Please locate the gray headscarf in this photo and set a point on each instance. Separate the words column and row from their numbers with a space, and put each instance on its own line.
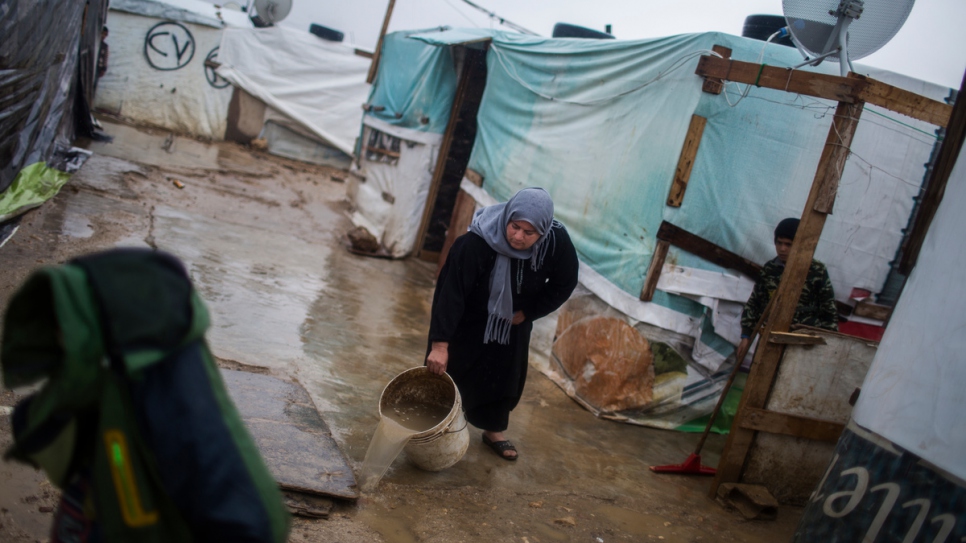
column 534, row 206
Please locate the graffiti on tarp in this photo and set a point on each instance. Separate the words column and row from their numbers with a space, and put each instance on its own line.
column 211, row 62
column 169, row 46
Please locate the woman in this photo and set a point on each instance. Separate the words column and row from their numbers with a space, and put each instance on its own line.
column 515, row 265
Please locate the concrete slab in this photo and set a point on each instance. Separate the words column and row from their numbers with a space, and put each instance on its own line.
column 293, row 439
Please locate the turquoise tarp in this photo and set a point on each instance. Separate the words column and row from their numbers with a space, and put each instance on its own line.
column 415, row 84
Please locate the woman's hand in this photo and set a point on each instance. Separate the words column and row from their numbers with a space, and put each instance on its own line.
column 438, row 357
column 518, row 317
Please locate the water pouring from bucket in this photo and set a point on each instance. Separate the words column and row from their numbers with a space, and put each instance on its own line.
column 422, row 413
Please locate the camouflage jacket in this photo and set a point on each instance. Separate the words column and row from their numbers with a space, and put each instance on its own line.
column 816, row 306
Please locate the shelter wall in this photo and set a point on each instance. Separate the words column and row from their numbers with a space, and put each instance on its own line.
column 156, row 75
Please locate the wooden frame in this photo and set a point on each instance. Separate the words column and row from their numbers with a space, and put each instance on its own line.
column 440, row 169
column 852, row 93
column 689, row 151
column 668, row 235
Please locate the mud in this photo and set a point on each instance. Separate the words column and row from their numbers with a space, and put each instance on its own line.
column 262, row 238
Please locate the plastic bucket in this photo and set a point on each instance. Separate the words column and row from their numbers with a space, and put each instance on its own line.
column 444, row 444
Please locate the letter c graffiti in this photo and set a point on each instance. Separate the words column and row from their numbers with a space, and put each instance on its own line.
column 169, row 46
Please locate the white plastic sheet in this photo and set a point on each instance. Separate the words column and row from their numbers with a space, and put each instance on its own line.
column 915, row 392
column 321, row 85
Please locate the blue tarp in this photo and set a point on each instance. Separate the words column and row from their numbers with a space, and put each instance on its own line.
column 415, row 84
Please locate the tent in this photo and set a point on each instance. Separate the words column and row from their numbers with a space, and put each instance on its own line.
column 192, row 67
column 157, row 73
column 601, row 126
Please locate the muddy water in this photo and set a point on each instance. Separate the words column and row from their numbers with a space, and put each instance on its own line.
column 398, row 424
column 387, row 442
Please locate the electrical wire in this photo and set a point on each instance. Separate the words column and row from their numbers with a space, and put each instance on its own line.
column 502, row 20
column 465, row 16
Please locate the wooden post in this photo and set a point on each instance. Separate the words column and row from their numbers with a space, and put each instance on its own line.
column 769, row 354
column 443, row 154
column 374, row 65
column 714, row 85
column 948, row 154
column 686, row 161
column 654, row 270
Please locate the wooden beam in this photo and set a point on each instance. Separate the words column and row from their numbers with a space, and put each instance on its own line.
column 443, row 154
column 768, row 356
column 705, row 249
column 790, row 425
column 654, row 270
column 851, row 90
column 713, row 85
column 374, row 65
column 459, row 223
column 686, row 161
column 790, row 338
column 474, row 177
column 948, row 153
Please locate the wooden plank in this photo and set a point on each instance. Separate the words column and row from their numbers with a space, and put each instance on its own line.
column 705, row 249
column 853, row 89
column 686, row 161
column 713, row 85
column 387, row 152
column 654, row 270
column 790, row 338
column 829, row 176
column 948, row 154
column 364, row 54
column 768, row 356
column 459, row 223
column 905, row 102
column 474, row 177
column 443, row 154
column 790, row 425
column 870, row 310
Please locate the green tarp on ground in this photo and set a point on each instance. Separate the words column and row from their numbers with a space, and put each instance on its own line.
column 33, row 186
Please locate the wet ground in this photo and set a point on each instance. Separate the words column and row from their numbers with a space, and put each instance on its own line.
column 262, row 239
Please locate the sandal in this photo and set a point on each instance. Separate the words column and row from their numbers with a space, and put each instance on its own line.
column 500, row 447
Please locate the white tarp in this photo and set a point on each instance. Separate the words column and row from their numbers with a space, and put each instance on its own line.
column 389, row 201
column 322, row 85
column 156, row 74
column 915, row 393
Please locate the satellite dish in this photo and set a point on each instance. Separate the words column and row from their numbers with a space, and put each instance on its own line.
column 843, row 30
column 269, row 12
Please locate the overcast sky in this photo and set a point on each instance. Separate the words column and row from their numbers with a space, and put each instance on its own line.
column 930, row 46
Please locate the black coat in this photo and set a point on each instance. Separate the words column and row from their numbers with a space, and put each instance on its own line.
column 491, row 372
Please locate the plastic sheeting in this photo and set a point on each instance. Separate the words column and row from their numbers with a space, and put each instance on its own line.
column 156, row 75
column 321, row 85
column 34, row 185
column 390, row 198
column 47, row 57
column 415, row 84
column 185, row 11
column 914, row 393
